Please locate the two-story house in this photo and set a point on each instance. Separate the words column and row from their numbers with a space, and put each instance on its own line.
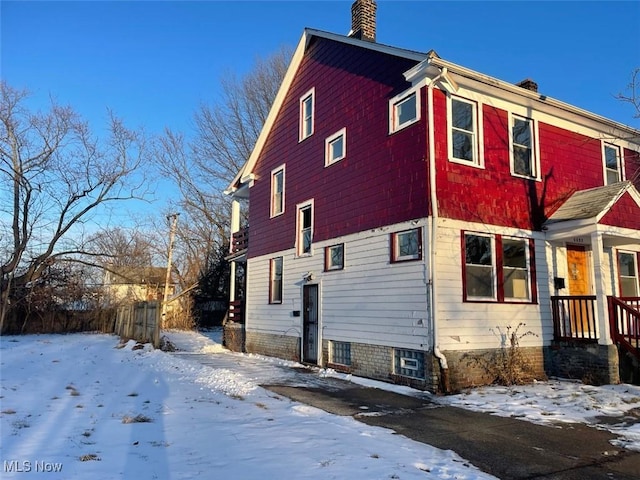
column 408, row 215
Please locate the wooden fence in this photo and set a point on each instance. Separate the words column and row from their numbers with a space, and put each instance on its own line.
column 139, row 321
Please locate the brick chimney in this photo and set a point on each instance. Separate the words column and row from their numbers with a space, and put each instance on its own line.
column 363, row 20
column 528, row 84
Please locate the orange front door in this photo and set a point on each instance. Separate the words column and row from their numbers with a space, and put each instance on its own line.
column 579, row 285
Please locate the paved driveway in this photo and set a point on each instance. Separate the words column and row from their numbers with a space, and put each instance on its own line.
column 507, row 448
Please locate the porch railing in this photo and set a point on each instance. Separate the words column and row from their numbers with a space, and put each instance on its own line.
column 624, row 321
column 236, row 311
column 574, row 317
column 240, row 240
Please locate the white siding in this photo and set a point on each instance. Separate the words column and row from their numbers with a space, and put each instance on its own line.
column 474, row 325
column 371, row 301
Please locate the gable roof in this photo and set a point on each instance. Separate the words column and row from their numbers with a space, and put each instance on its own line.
column 244, row 176
column 593, row 203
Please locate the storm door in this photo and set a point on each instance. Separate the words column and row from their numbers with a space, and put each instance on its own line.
column 310, row 324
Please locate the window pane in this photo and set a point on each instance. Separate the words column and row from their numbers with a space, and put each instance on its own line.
column 478, row 250
column 627, row 264
column 337, row 148
column 462, row 146
column 306, row 241
column 479, row 281
column 462, row 115
column 276, row 280
column 521, row 132
column 336, row 257
column 611, row 157
column 516, row 283
column 406, row 109
column 409, row 244
column 514, row 253
column 306, row 217
column 522, row 161
column 629, row 287
column 307, row 115
column 613, row 176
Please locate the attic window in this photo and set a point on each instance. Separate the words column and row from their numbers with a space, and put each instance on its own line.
column 612, row 164
column 404, row 110
column 307, row 107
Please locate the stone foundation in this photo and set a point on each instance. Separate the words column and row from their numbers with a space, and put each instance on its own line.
column 484, row 367
column 590, row 363
column 280, row 346
column 233, row 336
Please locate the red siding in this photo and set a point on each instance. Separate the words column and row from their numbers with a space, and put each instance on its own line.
column 625, row 213
column 381, row 181
column 568, row 162
column 632, row 166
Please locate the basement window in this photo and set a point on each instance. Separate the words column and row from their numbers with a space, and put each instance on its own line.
column 409, row 363
column 341, row 353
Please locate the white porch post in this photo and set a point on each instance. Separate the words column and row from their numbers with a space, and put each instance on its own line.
column 602, row 313
column 235, row 227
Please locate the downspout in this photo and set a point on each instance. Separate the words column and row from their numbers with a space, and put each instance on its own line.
column 444, row 367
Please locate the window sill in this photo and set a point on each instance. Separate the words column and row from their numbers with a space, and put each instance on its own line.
column 466, row 163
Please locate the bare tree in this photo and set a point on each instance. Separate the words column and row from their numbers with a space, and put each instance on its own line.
column 225, row 134
column 54, row 175
column 632, row 96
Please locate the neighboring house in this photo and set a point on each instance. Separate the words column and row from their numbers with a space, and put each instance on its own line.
column 407, row 214
column 136, row 284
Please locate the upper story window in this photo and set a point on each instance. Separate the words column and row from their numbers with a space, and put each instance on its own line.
column 464, row 135
column 524, row 160
column 406, row 245
column 404, row 110
column 277, row 191
column 307, row 109
column 275, row 280
column 628, row 273
column 334, row 257
column 497, row 268
column 304, row 236
column 335, row 147
column 612, row 164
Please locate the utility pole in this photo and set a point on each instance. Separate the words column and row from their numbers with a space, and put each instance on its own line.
column 172, row 233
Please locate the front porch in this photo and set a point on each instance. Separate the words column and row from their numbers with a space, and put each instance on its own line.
column 581, row 350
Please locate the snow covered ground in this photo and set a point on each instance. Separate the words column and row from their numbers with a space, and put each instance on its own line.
column 79, row 404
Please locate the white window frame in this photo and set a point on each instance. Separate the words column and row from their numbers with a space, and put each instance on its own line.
column 478, row 144
column 635, row 265
column 605, row 169
column 527, row 269
column 535, row 147
column 328, row 144
column 395, row 102
column 300, row 230
column 307, row 116
column 272, row 271
column 274, row 212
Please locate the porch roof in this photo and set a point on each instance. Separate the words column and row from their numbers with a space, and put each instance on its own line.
column 612, row 210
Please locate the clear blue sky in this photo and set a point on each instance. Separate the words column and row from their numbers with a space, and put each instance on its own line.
column 153, row 62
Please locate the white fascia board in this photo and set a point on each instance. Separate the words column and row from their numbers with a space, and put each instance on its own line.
column 514, row 91
column 540, row 100
column 570, row 228
column 246, row 172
